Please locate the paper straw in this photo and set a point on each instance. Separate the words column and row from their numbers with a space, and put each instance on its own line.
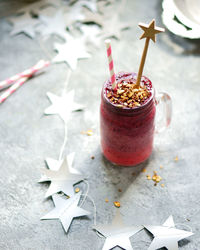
column 41, row 64
column 27, row 73
column 110, row 62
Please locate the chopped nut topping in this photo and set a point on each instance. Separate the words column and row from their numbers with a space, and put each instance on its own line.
column 127, row 95
column 117, row 203
column 162, row 185
column 77, row 190
column 176, row 158
column 92, row 157
column 148, row 177
column 106, row 200
column 144, row 170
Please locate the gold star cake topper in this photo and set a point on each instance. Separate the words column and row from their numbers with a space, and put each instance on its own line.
column 150, row 31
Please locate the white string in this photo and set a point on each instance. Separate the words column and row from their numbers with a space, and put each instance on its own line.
column 64, row 143
column 95, row 208
column 67, row 81
column 86, row 193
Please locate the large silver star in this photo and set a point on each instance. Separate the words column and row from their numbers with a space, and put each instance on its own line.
column 24, row 24
column 61, row 180
column 62, row 105
column 65, row 210
column 117, row 234
column 70, row 52
column 53, row 25
column 167, row 235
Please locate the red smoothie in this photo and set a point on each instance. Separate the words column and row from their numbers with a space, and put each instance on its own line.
column 127, row 118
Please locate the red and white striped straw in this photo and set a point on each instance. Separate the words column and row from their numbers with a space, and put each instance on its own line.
column 27, row 73
column 111, row 65
column 40, row 65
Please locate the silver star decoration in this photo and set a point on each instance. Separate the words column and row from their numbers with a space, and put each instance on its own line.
column 70, row 52
column 62, row 180
column 24, row 24
column 53, row 25
column 117, row 234
column 36, row 6
column 62, row 105
column 65, row 210
column 90, row 34
column 55, row 165
column 167, row 235
column 72, row 14
column 113, row 26
column 90, row 4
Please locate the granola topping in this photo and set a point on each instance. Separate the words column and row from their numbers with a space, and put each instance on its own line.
column 126, row 95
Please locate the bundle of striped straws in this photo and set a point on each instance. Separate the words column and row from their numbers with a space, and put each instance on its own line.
column 13, row 83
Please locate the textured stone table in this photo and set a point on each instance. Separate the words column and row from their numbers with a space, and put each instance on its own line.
column 27, row 137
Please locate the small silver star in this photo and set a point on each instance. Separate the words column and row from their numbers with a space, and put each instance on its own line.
column 113, row 26
column 70, row 52
column 61, row 180
column 62, row 105
column 117, row 234
column 53, row 25
column 24, row 24
column 65, row 210
column 166, row 235
column 36, row 6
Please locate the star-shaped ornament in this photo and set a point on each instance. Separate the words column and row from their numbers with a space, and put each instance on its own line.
column 65, row 210
column 167, row 235
column 91, row 34
column 89, row 4
column 117, row 234
column 62, row 105
column 73, row 14
column 150, row 30
column 36, row 6
column 24, row 24
column 53, row 25
column 62, row 180
column 112, row 27
column 70, row 52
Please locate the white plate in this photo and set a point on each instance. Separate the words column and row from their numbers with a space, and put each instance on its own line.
column 187, row 12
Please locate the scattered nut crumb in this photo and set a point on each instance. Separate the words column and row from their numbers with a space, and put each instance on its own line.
column 117, row 203
column 106, row 200
column 148, row 177
column 176, row 158
column 162, row 185
column 92, row 157
column 119, row 190
column 77, row 190
column 144, row 170
column 88, row 132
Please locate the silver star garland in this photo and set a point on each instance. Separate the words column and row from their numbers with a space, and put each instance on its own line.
column 24, row 24
column 62, row 105
column 70, row 52
column 61, row 180
column 117, row 234
column 167, row 235
column 66, row 210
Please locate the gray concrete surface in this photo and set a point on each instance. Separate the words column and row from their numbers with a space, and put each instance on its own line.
column 27, row 137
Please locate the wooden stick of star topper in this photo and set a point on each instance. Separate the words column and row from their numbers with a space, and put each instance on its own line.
column 150, row 30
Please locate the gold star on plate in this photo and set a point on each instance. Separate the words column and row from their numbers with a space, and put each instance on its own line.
column 150, row 30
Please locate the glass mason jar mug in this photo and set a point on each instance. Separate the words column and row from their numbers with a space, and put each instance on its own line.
column 127, row 133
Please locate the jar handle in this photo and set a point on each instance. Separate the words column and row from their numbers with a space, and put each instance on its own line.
column 164, row 103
